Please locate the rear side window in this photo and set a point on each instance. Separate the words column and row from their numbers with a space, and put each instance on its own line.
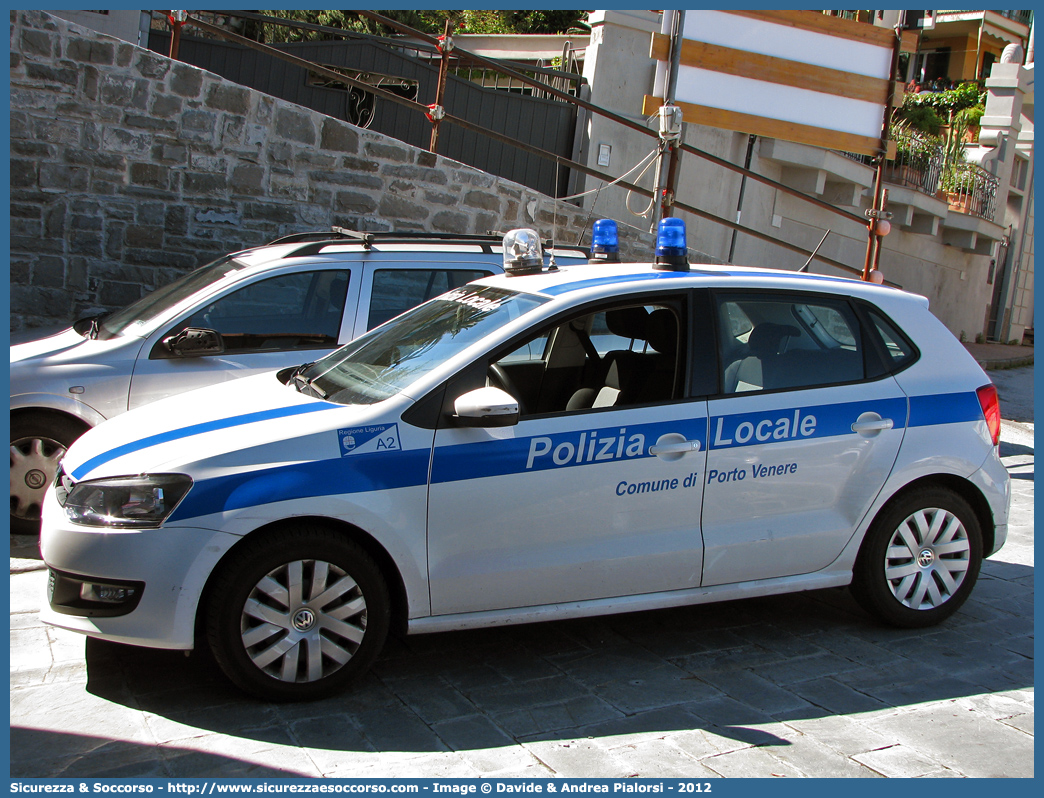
column 898, row 349
column 397, row 290
column 771, row 343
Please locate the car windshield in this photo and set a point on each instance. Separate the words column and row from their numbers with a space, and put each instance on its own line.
column 385, row 360
column 137, row 316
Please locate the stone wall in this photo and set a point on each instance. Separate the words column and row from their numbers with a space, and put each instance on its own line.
column 128, row 169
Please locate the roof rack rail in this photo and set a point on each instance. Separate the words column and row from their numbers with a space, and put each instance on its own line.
column 314, row 242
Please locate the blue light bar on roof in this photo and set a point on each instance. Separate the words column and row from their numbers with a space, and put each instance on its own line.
column 605, row 242
column 672, row 252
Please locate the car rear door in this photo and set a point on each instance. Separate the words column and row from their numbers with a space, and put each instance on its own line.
column 802, row 437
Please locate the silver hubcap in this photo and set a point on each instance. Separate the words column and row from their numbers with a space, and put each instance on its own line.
column 927, row 559
column 303, row 621
column 34, row 462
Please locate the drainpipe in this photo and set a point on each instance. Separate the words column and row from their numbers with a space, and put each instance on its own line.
column 743, row 185
column 1013, row 282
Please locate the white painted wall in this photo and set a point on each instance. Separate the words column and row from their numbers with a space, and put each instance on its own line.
column 131, row 25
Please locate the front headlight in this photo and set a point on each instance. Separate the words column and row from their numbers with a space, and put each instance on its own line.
column 126, row 502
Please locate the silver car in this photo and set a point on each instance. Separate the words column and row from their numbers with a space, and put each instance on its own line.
column 257, row 310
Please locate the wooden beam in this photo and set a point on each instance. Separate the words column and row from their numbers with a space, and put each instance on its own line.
column 771, row 128
column 910, row 41
column 770, row 69
column 822, row 23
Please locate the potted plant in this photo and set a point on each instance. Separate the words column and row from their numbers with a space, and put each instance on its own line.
column 971, row 117
column 914, row 152
column 958, row 182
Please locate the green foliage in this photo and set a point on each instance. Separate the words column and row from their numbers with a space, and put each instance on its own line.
column 946, row 102
column 970, row 116
column 954, row 152
column 912, row 146
column 922, row 118
column 428, row 21
column 958, row 178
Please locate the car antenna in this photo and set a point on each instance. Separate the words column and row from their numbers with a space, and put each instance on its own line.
column 809, row 261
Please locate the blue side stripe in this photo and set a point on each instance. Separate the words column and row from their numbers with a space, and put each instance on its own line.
column 800, row 423
column 573, row 449
column 354, row 474
column 945, row 408
column 364, row 473
column 195, row 429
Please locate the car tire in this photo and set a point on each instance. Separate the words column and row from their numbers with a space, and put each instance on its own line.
column 920, row 559
column 38, row 443
column 297, row 614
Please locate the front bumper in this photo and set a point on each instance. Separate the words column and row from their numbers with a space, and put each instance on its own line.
column 174, row 563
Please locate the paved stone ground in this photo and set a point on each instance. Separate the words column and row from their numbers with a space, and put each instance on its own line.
column 801, row 685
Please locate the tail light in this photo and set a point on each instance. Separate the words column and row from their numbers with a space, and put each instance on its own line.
column 991, row 410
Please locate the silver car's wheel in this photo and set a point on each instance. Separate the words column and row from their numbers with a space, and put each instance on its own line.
column 927, row 558
column 920, row 558
column 296, row 612
column 34, row 462
column 303, row 621
column 38, row 443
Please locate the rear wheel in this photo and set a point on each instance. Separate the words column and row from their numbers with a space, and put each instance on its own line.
column 38, row 443
column 298, row 614
column 920, row 559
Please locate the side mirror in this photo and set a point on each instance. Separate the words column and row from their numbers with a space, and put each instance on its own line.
column 195, row 342
column 486, row 407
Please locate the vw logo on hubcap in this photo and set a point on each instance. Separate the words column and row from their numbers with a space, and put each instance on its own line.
column 925, row 558
column 36, row 479
column 304, row 619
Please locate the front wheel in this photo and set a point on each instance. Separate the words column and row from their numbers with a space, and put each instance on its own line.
column 920, row 559
column 298, row 614
column 38, row 443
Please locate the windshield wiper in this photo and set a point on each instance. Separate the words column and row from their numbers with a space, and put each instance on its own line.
column 302, row 382
column 89, row 326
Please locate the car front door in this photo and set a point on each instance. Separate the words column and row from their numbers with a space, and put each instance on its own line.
column 595, row 493
column 267, row 324
column 801, row 439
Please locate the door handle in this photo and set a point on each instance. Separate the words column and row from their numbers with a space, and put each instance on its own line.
column 870, row 423
column 681, row 447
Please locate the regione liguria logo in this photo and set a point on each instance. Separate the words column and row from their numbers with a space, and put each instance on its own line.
column 372, row 439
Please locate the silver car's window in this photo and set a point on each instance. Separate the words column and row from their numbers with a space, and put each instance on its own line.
column 397, row 290
column 382, row 362
column 137, row 315
column 301, row 310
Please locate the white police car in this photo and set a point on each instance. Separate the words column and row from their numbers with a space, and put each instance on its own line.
column 538, row 445
column 252, row 311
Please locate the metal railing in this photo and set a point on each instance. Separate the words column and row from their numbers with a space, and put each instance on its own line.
column 971, row 189
column 918, row 163
column 553, row 91
column 567, row 79
column 1022, row 16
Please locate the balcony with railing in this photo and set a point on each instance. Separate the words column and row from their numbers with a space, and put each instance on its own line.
column 918, row 162
column 971, row 189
